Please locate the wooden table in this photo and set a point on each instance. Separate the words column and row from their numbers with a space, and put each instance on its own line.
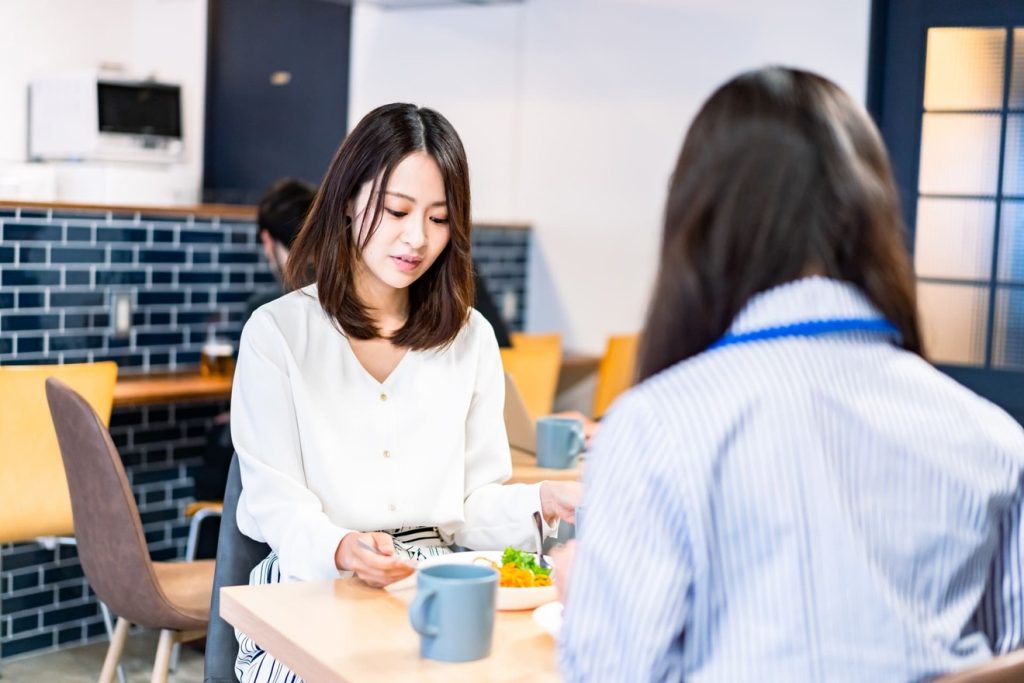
column 526, row 471
column 133, row 390
column 343, row 630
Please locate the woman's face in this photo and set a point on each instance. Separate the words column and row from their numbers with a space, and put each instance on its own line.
column 413, row 229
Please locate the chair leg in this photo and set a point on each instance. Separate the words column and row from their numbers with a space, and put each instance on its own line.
column 163, row 657
column 114, row 651
column 110, row 634
column 175, row 654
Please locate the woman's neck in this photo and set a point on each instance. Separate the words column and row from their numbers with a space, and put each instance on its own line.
column 389, row 307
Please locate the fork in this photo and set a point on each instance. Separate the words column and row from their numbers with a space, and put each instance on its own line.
column 540, row 540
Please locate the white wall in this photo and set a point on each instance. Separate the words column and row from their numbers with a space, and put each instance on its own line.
column 161, row 38
column 573, row 111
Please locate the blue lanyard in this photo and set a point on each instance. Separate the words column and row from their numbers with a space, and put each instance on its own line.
column 809, row 328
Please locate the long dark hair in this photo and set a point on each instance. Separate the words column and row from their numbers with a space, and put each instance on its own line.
column 780, row 174
column 326, row 249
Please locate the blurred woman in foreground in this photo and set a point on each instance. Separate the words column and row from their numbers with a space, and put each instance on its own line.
column 793, row 493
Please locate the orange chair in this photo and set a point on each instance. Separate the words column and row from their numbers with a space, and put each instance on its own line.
column 616, row 372
column 534, row 362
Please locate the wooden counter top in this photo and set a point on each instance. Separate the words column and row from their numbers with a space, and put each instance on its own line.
column 238, row 211
column 134, row 390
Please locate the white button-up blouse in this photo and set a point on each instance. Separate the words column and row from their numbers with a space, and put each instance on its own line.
column 325, row 449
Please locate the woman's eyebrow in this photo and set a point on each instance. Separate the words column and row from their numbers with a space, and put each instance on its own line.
column 412, row 199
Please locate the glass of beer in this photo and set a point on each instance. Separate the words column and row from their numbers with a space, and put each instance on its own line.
column 217, row 358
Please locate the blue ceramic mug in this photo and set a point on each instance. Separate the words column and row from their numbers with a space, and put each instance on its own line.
column 559, row 441
column 454, row 611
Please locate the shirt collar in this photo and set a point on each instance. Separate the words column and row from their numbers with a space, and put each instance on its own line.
column 807, row 299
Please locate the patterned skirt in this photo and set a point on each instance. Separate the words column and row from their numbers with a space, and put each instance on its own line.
column 256, row 665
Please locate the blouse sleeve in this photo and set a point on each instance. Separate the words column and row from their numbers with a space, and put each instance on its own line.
column 496, row 515
column 265, row 431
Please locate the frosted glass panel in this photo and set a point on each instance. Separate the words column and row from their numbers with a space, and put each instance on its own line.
column 1008, row 328
column 953, row 238
column 964, row 68
column 1017, row 70
column 1011, row 242
column 953, row 321
column 1013, row 166
column 959, row 154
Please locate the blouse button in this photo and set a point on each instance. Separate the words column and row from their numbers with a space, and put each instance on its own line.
column 383, row 397
column 387, row 454
column 391, row 508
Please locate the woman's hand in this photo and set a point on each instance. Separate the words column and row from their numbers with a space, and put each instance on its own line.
column 377, row 569
column 563, row 557
column 559, row 499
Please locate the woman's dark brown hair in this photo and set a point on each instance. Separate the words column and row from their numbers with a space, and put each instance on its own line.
column 780, row 175
column 329, row 245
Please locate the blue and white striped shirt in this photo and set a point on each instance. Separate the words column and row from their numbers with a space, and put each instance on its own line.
column 801, row 509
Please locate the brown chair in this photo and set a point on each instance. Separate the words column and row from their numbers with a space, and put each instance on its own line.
column 171, row 596
column 1006, row 669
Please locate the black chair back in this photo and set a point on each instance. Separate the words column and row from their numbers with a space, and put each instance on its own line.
column 236, row 556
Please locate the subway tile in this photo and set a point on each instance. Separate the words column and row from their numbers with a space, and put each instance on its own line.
column 161, row 297
column 163, row 236
column 159, row 317
column 202, row 297
column 21, row 603
column 154, row 516
column 6, row 254
column 78, row 255
column 201, row 236
column 161, row 256
column 63, row 573
column 13, row 322
column 123, row 360
column 64, row 299
column 76, row 342
column 233, row 297
column 29, row 622
column 121, row 255
column 68, row 358
column 159, row 338
column 263, row 278
column 6, row 299
column 32, row 231
column 95, row 629
column 62, row 615
column 186, row 357
column 30, row 344
column 29, row 255
column 78, row 277
column 34, row 213
column 120, row 277
column 207, row 277
column 6, row 345
column 15, row 278
column 31, row 299
column 164, row 554
column 74, row 321
column 194, row 317
column 121, row 235
column 76, row 233
column 237, row 278
column 202, row 257
column 68, row 593
column 155, row 476
column 238, row 257
column 17, row 646
column 25, row 580
column 162, row 277
column 70, row 634
column 240, row 238
column 161, row 359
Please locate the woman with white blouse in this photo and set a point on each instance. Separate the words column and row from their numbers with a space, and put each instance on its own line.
column 367, row 408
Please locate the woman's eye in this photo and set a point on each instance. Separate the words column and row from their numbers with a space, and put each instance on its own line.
column 440, row 221
column 397, row 214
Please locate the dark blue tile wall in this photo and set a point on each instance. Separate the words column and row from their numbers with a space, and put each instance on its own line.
column 184, row 274
column 59, row 268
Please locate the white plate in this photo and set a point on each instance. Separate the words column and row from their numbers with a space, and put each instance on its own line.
column 549, row 617
column 508, row 598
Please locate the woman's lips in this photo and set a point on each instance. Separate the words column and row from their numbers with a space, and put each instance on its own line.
column 406, row 264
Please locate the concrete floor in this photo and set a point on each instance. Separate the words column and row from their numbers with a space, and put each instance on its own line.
column 82, row 664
